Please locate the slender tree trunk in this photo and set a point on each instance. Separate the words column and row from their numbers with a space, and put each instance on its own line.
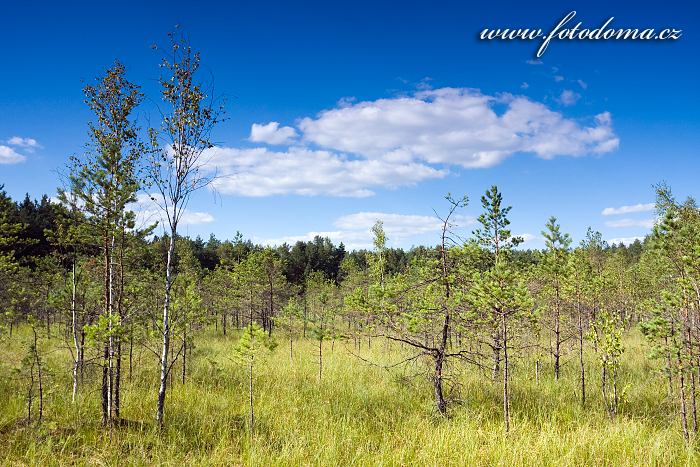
column 692, row 401
column 118, row 378
column 604, row 387
column 496, row 349
column 120, row 315
column 557, row 340
column 305, row 317
column 41, row 384
column 30, row 393
column 506, row 392
column 166, row 330
column 110, row 340
column 36, row 361
column 74, row 328
column 440, row 357
column 669, row 368
column 437, row 385
column 681, row 384
column 582, row 365
column 131, row 351
column 691, row 369
column 105, row 386
column 106, row 412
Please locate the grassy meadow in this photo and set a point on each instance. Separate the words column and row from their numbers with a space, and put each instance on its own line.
column 358, row 414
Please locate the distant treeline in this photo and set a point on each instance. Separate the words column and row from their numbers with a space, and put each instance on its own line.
column 39, row 217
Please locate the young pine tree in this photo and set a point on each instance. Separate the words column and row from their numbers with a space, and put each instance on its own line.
column 499, row 295
column 104, row 182
column 553, row 272
column 251, row 344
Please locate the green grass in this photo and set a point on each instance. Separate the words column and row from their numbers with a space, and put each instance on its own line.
column 357, row 415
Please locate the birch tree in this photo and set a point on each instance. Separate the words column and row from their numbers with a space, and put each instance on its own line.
column 177, row 162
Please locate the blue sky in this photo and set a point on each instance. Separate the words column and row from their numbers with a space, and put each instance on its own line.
column 380, row 109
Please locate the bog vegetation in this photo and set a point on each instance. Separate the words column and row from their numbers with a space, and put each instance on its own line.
column 120, row 343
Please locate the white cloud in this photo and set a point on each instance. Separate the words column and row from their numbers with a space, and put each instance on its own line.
column 8, row 151
column 147, row 213
column 397, row 225
column 271, row 133
column 25, row 143
column 528, row 237
column 622, row 223
column 354, row 230
column 357, row 147
column 9, row 156
column 646, row 207
column 456, row 126
column 534, row 62
column 624, row 240
column 196, row 217
column 558, row 78
column 525, row 85
column 582, row 83
column 301, row 171
column 569, row 97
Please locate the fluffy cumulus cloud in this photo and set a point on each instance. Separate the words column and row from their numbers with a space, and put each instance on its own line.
column 11, row 151
column 148, row 212
column 8, row 155
column 354, row 230
column 306, row 172
column 196, row 217
column 271, row 133
column 456, row 126
column 357, row 147
column 629, row 209
column 26, row 143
